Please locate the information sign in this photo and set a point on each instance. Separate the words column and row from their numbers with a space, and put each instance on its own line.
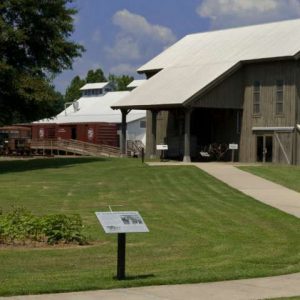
column 122, row 222
column 233, row 146
column 161, row 147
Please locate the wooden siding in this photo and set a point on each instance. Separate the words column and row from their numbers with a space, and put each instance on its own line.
column 161, row 129
column 228, row 94
column 297, row 133
column 285, row 155
column 267, row 74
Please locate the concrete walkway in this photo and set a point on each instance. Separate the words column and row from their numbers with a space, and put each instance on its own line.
column 246, row 289
column 261, row 189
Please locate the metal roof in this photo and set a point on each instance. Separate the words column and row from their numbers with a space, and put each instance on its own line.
column 199, row 59
column 96, row 109
column 173, row 85
column 92, row 86
column 135, row 83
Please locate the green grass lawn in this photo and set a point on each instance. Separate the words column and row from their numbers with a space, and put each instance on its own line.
column 200, row 229
column 288, row 298
column 288, row 176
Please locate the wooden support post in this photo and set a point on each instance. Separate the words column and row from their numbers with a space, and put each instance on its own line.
column 143, row 155
column 121, row 256
column 187, row 135
column 295, row 144
column 153, row 133
column 123, row 132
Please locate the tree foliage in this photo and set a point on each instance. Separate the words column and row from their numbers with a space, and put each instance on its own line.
column 120, row 82
column 95, row 76
column 73, row 90
column 34, row 46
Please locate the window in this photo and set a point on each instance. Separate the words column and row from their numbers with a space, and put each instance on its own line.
column 279, row 97
column 87, row 92
column 142, row 124
column 256, row 97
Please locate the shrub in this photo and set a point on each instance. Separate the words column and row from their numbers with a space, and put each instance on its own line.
column 21, row 226
column 63, row 228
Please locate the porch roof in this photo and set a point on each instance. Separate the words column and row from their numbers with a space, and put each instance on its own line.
column 196, row 62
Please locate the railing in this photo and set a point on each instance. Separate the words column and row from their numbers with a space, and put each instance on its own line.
column 135, row 146
column 76, row 147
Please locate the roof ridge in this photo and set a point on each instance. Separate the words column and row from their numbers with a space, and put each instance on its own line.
column 271, row 23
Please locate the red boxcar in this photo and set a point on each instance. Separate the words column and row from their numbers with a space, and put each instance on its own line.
column 96, row 133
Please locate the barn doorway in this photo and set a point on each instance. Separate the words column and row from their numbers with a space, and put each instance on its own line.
column 213, row 129
column 73, row 133
column 264, row 148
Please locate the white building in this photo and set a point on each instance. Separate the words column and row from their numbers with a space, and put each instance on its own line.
column 95, row 107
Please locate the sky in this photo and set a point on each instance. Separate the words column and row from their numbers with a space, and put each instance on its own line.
column 121, row 35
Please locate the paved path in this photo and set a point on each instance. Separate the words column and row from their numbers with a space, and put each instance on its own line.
column 261, row 189
column 246, row 289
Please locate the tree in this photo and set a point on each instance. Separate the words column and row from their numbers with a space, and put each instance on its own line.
column 73, row 90
column 34, row 47
column 120, row 82
column 95, row 76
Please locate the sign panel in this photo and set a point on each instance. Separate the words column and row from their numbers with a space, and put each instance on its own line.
column 233, row 146
column 161, row 147
column 122, row 222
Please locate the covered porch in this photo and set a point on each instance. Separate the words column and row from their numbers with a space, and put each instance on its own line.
column 189, row 131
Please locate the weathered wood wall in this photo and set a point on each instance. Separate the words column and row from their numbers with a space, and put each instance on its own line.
column 267, row 74
column 228, row 94
column 161, row 129
column 297, row 133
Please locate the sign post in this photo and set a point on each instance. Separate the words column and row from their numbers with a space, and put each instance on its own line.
column 121, row 222
column 121, row 256
column 162, row 148
column 233, row 147
column 143, row 155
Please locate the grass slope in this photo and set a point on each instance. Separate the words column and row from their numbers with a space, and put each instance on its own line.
column 288, row 298
column 288, row 176
column 200, row 229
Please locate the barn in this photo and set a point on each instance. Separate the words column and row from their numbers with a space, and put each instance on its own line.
column 90, row 119
column 236, row 86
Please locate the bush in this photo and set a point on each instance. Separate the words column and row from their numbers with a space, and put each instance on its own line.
column 63, row 228
column 21, row 226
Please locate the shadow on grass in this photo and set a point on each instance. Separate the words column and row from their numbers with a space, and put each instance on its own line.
column 137, row 277
column 12, row 166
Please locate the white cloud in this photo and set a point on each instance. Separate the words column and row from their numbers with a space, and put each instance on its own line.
column 138, row 39
column 139, row 27
column 228, row 13
column 125, row 47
